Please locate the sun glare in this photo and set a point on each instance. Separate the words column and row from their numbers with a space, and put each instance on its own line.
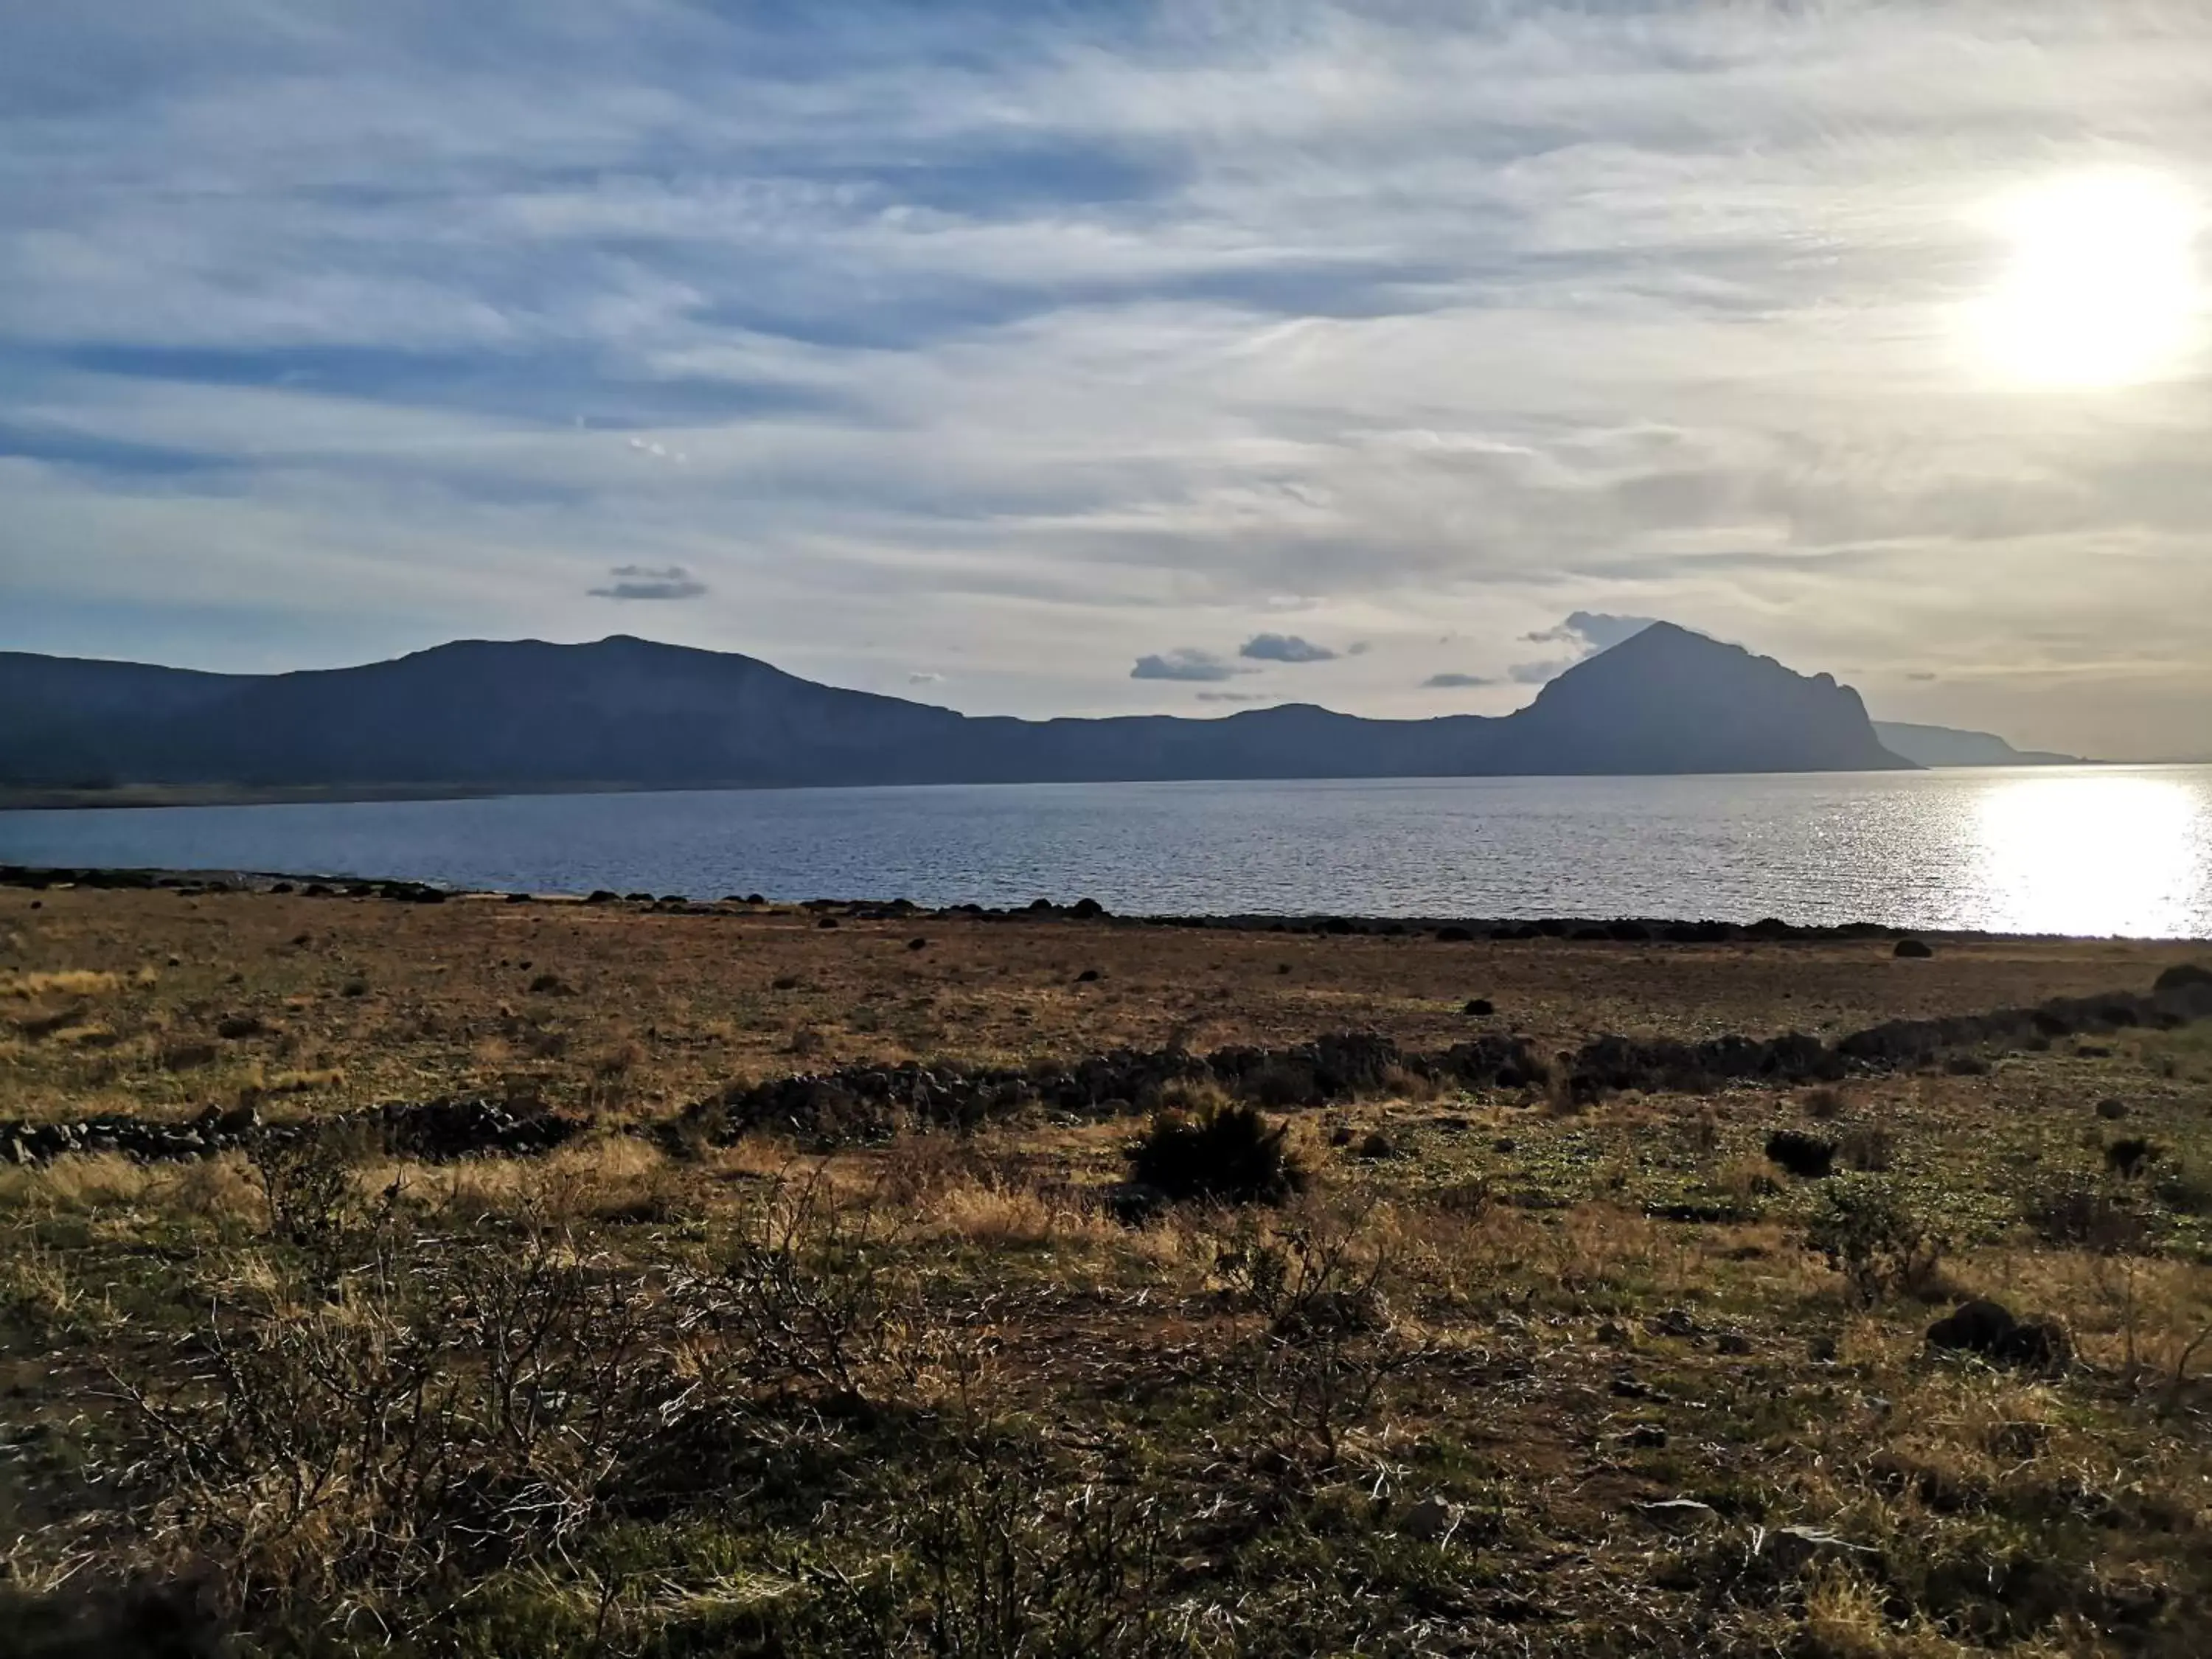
column 2101, row 287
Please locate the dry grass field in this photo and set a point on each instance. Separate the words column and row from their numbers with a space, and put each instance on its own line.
column 1513, row 1370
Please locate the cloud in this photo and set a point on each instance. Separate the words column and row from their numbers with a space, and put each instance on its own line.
column 1539, row 673
column 1455, row 682
column 1593, row 630
column 640, row 581
column 925, row 677
column 1185, row 663
column 1231, row 696
column 1284, row 648
column 1044, row 333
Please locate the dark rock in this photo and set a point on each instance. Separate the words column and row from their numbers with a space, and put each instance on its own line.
column 1086, row 909
column 2038, row 1345
column 1455, row 936
column 1132, row 1203
column 1809, row 1158
column 1913, row 950
column 2111, row 1110
column 601, row 896
column 1980, row 1326
column 917, row 944
column 2127, row 1158
column 1088, row 976
column 827, row 921
column 236, row 1028
column 1480, row 1007
column 2182, row 977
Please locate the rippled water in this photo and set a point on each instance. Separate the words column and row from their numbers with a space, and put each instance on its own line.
column 2074, row 850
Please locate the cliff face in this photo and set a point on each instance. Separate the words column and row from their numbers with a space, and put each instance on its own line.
column 477, row 714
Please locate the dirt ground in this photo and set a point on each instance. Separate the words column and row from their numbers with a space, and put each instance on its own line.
column 1512, row 1373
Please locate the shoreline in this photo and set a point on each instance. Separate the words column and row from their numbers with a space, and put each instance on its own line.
column 1445, row 929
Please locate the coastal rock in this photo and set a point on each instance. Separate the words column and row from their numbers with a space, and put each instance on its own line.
column 1989, row 1329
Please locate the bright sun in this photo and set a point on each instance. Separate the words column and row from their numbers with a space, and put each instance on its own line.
column 2101, row 289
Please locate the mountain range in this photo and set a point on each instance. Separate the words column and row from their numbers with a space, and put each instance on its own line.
column 1946, row 745
column 476, row 716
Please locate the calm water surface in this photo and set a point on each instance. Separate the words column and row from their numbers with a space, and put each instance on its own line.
column 2074, row 850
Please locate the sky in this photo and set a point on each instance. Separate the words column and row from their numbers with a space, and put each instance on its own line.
column 1087, row 357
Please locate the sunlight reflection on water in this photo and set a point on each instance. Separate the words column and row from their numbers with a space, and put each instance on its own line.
column 2083, row 852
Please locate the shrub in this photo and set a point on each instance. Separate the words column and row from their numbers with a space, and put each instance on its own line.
column 2128, row 1158
column 2075, row 1211
column 1868, row 1148
column 1824, row 1103
column 1231, row 1153
column 1807, row 1156
column 1869, row 1236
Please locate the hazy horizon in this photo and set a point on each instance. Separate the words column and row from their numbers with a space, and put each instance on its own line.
column 1120, row 358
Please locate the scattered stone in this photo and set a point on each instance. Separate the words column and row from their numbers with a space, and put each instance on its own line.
column 1791, row 1548
column 1676, row 1323
column 437, row 1130
column 1913, row 950
column 1645, row 1437
column 1377, row 1146
column 1678, row 1514
column 1433, row 1520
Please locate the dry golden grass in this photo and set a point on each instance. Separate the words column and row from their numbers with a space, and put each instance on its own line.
column 1578, row 1313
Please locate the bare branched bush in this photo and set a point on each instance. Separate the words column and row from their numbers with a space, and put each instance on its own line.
column 997, row 1559
column 1330, row 1344
column 810, row 1298
column 460, row 1408
column 1872, row 1238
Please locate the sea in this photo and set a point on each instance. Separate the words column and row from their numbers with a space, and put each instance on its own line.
column 2086, row 851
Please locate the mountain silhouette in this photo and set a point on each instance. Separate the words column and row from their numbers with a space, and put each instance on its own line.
column 478, row 715
column 1948, row 745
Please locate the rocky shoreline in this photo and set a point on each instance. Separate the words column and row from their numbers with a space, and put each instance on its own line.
column 1617, row 930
